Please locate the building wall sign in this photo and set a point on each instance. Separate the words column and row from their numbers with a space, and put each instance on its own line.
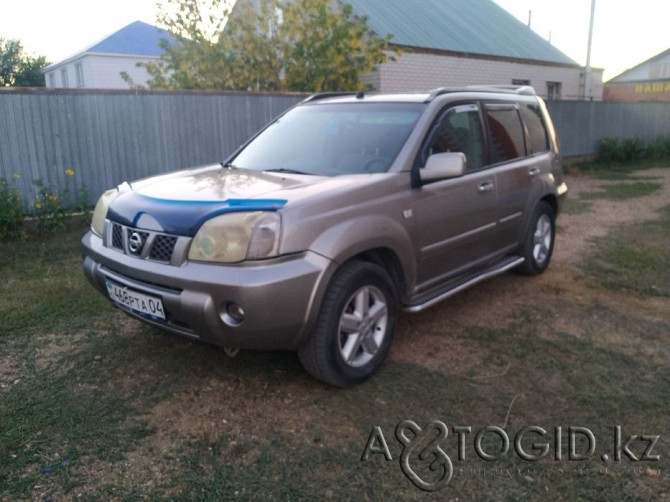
column 642, row 91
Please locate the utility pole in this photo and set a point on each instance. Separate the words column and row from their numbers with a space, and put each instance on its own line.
column 587, row 70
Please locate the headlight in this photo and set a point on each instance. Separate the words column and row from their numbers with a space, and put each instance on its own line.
column 235, row 237
column 100, row 211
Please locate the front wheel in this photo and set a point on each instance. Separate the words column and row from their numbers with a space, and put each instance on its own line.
column 538, row 244
column 355, row 327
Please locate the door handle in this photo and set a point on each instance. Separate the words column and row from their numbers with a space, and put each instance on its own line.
column 533, row 172
column 485, row 187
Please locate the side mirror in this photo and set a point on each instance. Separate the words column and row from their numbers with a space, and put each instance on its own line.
column 442, row 166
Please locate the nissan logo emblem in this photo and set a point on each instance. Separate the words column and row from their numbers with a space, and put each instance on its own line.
column 135, row 243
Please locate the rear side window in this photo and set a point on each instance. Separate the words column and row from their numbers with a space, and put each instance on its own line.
column 507, row 139
column 537, row 130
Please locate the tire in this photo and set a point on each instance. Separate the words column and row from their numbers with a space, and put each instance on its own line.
column 538, row 244
column 355, row 327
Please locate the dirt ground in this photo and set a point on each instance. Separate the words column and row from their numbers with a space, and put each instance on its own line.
column 194, row 415
column 251, row 399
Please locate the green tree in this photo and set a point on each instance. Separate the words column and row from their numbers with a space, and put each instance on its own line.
column 293, row 45
column 18, row 69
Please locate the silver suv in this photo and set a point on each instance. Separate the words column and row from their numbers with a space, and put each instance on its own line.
column 345, row 209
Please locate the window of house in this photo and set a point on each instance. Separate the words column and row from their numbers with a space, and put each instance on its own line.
column 459, row 130
column 63, row 78
column 52, row 80
column 553, row 90
column 80, row 74
column 507, row 139
column 519, row 81
column 664, row 70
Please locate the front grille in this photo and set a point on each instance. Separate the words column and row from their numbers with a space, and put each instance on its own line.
column 163, row 247
column 117, row 237
column 142, row 243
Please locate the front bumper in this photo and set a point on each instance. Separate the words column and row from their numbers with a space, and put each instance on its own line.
column 280, row 297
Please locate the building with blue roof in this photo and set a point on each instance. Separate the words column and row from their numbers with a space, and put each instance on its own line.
column 100, row 65
column 465, row 42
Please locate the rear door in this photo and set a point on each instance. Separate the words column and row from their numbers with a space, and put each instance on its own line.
column 516, row 169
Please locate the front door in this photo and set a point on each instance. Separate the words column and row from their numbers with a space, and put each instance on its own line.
column 455, row 218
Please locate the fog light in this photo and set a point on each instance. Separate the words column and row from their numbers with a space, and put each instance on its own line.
column 235, row 311
column 233, row 315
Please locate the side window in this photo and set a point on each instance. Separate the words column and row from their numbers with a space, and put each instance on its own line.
column 459, row 130
column 537, row 130
column 507, row 140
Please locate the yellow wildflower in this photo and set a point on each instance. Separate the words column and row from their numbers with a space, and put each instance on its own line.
column 17, row 176
column 38, row 205
column 69, row 172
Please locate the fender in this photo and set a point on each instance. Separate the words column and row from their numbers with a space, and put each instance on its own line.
column 344, row 241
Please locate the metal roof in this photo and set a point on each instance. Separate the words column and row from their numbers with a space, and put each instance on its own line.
column 637, row 73
column 137, row 38
column 478, row 27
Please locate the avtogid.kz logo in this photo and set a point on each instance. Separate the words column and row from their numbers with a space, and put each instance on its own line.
column 425, row 462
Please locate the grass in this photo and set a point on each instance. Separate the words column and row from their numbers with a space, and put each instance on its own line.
column 635, row 258
column 94, row 406
column 615, row 192
column 631, row 185
column 615, row 170
column 577, row 206
column 623, row 191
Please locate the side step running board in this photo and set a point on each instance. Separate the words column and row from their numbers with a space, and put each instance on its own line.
column 487, row 274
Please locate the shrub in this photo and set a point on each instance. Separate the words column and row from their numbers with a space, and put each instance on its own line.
column 49, row 209
column 658, row 149
column 53, row 208
column 11, row 211
column 630, row 149
column 626, row 150
column 608, row 149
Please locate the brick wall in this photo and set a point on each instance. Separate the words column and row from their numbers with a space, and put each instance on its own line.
column 421, row 72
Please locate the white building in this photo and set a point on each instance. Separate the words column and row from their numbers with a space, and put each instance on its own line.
column 100, row 66
column 468, row 42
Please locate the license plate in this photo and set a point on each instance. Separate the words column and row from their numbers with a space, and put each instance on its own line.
column 144, row 305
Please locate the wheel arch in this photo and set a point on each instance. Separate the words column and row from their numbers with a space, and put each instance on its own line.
column 389, row 261
column 552, row 201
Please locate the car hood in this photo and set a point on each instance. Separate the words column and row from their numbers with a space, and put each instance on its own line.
column 179, row 203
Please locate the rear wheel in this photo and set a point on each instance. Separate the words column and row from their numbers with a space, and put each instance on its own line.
column 538, row 244
column 355, row 327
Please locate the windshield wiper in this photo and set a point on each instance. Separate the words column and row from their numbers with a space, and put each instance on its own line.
column 229, row 165
column 287, row 171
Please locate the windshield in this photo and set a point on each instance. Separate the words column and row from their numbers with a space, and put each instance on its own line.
column 332, row 139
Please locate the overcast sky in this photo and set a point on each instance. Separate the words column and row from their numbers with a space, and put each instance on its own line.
column 626, row 32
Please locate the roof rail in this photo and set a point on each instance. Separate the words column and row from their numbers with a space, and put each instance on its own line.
column 326, row 95
column 524, row 90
